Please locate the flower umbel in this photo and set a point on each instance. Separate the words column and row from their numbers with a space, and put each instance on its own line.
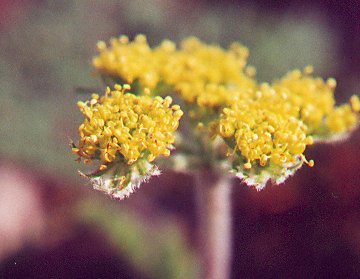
column 259, row 131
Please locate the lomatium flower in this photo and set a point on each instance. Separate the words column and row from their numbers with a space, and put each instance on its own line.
column 269, row 131
column 314, row 98
column 130, row 61
column 199, row 72
column 265, row 141
column 265, row 127
column 125, row 133
column 207, row 74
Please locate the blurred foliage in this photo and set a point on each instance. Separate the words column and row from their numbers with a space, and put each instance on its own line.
column 156, row 248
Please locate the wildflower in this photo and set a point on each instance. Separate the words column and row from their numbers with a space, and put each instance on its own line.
column 266, row 141
column 200, row 73
column 269, row 130
column 314, row 100
column 121, row 128
column 129, row 61
column 206, row 74
column 265, row 127
column 341, row 119
column 262, row 136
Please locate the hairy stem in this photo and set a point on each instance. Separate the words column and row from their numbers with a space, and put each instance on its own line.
column 213, row 193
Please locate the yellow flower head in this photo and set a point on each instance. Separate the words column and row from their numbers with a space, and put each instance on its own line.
column 262, row 135
column 200, row 73
column 128, row 61
column 204, row 73
column 314, row 100
column 125, row 127
column 208, row 75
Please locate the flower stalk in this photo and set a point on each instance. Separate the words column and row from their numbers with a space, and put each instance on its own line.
column 214, row 223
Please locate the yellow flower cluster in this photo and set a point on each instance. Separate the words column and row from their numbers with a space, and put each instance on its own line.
column 265, row 131
column 122, row 126
column 280, row 120
column 265, row 123
column 200, row 73
column 314, row 98
column 208, row 74
column 132, row 60
column 341, row 119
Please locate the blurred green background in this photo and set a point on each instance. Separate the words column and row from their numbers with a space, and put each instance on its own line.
column 54, row 225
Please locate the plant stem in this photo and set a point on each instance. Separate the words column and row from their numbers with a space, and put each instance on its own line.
column 213, row 201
